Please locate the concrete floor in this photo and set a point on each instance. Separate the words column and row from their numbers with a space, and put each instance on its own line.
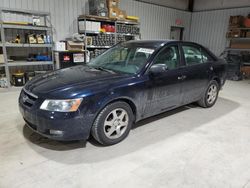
column 187, row 147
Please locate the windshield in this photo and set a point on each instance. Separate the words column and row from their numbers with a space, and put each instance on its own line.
column 125, row 58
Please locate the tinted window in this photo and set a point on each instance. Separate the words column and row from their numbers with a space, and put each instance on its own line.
column 192, row 55
column 205, row 56
column 169, row 56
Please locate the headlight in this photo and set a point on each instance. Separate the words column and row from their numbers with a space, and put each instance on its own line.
column 70, row 105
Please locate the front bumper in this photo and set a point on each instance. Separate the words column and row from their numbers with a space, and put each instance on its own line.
column 56, row 125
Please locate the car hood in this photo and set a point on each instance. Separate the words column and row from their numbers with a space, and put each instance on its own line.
column 71, row 81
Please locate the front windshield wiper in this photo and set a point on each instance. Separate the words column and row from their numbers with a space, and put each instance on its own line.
column 104, row 69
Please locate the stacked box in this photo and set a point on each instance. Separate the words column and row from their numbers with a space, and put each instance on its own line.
column 113, row 3
column 113, row 7
column 234, row 33
column 98, row 8
column 236, row 21
column 122, row 15
column 242, row 44
column 1, row 58
column 90, row 26
column 248, row 34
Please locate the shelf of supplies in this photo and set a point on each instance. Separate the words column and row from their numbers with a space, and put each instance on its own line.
column 99, row 46
column 95, row 18
column 23, row 11
column 14, row 45
column 127, row 22
column 28, row 63
column 97, row 32
column 27, row 27
column 240, row 28
column 239, row 38
column 237, row 49
column 127, row 34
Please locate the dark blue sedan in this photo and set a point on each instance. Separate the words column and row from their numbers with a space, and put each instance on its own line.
column 129, row 82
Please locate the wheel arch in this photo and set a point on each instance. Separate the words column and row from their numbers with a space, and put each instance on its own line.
column 217, row 79
column 129, row 101
column 126, row 100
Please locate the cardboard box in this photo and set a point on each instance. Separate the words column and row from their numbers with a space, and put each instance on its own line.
column 240, row 44
column 113, row 3
column 96, row 26
column 60, row 46
column 122, row 15
column 83, row 27
column 1, row 58
column 75, row 46
column 234, row 33
column 236, row 21
column 89, row 41
column 248, row 34
column 113, row 12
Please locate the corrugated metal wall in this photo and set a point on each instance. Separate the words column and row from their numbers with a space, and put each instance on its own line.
column 155, row 20
column 209, row 28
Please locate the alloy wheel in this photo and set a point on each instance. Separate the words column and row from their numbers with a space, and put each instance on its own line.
column 212, row 94
column 116, row 123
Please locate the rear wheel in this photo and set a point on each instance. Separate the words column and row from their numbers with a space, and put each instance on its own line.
column 210, row 96
column 113, row 123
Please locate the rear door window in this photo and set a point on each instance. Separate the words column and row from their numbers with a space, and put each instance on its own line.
column 206, row 57
column 192, row 54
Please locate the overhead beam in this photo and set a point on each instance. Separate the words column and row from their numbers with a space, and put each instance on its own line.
column 191, row 5
column 152, row 3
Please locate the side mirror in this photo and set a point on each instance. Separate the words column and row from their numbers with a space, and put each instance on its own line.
column 157, row 69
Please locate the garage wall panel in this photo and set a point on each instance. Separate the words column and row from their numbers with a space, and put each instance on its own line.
column 209, row 27
column 155, row 20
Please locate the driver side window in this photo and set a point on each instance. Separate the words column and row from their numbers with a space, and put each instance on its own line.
column 168, row 56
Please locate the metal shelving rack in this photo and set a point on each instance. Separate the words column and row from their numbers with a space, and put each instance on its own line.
column 6, row 45
column 230, row 39
column 86, row 18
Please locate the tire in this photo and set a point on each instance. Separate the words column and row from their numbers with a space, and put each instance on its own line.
column 113, row 123
column 210, row 96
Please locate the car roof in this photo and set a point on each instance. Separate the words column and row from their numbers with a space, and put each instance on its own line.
column 148, row 43
column 155, row 43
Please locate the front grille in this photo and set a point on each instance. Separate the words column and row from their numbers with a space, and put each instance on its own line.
column 28, row 98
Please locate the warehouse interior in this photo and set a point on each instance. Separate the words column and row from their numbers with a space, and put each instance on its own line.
column 186, row 147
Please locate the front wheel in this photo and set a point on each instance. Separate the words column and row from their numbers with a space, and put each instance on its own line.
column 210, row 96
column 113, row 123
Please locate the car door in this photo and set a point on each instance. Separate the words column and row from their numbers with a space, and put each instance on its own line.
column 164, row 88
column 196, row 72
